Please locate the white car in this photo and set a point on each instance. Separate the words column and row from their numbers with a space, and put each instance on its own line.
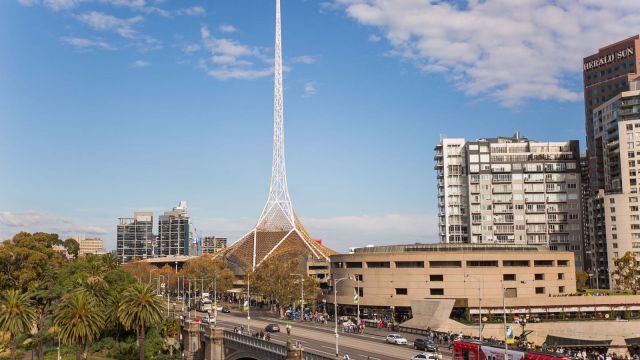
column 396, row 339
column 425, row 356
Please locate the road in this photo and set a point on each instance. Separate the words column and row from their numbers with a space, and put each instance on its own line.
column 321, row 340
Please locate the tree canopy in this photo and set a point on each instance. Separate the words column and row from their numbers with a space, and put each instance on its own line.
column 626, row 275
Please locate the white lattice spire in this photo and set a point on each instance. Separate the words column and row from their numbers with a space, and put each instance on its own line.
column 277, row 214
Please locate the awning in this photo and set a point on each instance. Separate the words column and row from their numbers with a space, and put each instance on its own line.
column 632, row 341
column 555, row 341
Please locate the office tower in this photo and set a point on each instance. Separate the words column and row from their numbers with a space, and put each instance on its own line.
column 606, row 74
column 175, row 233
column 585, row 186
column 212, row 244
column 91, row 246
column 616, row 125
column 134, row 239
column 510, row 190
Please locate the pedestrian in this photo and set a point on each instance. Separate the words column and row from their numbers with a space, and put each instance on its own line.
column 261, row 335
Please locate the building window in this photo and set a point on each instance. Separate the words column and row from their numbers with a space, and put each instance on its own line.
column 409, row 264
column 615, row 245
column 359, row 277
column 401, row 291
column 509, row 277
column 354, row 265
column 336, row 265
column 359, row 290
column 542, row 263
column 511, row 292
column 482, row 263
column 612, row 201
column 560, row 276
column 436, row 277
column 436, row 291
column 563, row 262
column 445, row 264
column 378, row 264
column 539, row 290
column 561, row 289
column 515, row 263
column 539, row 277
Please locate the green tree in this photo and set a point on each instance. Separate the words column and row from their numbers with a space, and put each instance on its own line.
column 80, row 320
column 205, row 267
column 72, row 247
column 17, row 315
column 627, row 272
column 273, row 280
column 582, row 278
column 28, row 262
column 140, row 308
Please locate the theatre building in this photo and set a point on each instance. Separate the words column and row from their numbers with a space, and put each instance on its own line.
column 448, row 285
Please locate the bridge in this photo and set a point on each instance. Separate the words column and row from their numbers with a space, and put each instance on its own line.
column 208, row 342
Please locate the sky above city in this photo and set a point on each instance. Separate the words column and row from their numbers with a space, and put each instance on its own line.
column 113, row 106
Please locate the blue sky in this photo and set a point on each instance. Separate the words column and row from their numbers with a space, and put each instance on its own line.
column 112, row 106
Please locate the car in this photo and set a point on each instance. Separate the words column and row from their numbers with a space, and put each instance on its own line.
column 225, row 310
column 425, row 345
column 425, row 356
column 396, row 339
column 272, row 328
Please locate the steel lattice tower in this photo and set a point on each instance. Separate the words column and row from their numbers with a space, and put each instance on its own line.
column 278, row 230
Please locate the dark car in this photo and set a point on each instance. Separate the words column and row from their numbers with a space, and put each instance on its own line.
column 226, row 310
column 426, row 345
column 272, row 328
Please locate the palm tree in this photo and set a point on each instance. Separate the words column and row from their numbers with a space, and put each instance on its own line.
column 79, row 319
column 140, row 308
column 17, row 315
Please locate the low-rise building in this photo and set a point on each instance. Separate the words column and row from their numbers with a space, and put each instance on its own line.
column 528, row 280
column 91, row 246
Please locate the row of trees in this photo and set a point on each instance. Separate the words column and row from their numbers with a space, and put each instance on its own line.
column 45, row 295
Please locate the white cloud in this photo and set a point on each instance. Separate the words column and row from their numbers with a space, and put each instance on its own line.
column 191, row 48
column 343, row 232
column 103, row 22
column 19, row 219
column 310, row 88
column 85, row 44
column 225, row 28
column 511, row 51
column 193, row 11
column 27, row 2
column 139, row 64
column 305, row 59
column 237, row 73
column 230, row 59
column 374, row 38
column 57, row 5
column 33, row 221
column 129, row 3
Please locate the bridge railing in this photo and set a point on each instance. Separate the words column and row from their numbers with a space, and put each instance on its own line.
column 256, row 342
column 312, row 356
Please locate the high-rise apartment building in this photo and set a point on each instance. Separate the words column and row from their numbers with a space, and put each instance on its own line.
column 606, row 74
column 212, row 244
column 134, row 239
column 175, row 232
column 510, row 190
column 616, row 125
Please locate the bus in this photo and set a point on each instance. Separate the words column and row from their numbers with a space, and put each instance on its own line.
column 475, row 350
column 204, row 304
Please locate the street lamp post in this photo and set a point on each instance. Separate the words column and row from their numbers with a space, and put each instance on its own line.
column 151, row 272
column 335, row 308
column 248, row 306
column 215, row 299
column 479, row 305
column 301, row 294
column 504, row 316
